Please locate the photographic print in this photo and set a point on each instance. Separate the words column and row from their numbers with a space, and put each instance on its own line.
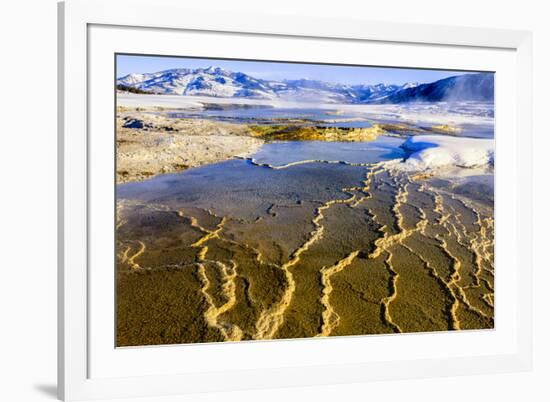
column 260, row 200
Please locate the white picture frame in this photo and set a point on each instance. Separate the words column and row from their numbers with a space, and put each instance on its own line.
column 75, row 351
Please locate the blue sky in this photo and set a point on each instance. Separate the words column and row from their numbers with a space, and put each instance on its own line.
column 278, row 71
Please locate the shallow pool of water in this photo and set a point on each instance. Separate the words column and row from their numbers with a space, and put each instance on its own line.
column 285, row 152
column 242, row 189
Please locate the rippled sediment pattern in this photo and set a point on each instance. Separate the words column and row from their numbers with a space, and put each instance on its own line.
column 244, row 250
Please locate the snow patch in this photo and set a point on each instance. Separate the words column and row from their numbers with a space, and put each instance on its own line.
column 428, row 152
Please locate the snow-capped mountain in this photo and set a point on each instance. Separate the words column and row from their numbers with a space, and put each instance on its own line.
column 471, row 87
column 211, row 81
column 218, row 82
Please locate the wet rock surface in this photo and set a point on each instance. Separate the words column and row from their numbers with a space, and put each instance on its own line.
column 243, row 251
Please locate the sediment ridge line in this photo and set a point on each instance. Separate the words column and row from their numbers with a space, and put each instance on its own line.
column 271, row 319
column 470, row 240
column 230, row 332
column 387, row 241
column 455, row 322
column 386, row 301
column 455, row 276
column 131, row 260
column 373, row 171
column 124, row 255
column 384, row 243
column 451, row 229
column 210, row 234
column 330, row 318
column 254, row 162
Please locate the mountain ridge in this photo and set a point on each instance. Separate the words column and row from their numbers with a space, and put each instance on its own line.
column 218, row 82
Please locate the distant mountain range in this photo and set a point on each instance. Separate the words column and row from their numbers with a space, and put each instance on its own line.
column 218, row 82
